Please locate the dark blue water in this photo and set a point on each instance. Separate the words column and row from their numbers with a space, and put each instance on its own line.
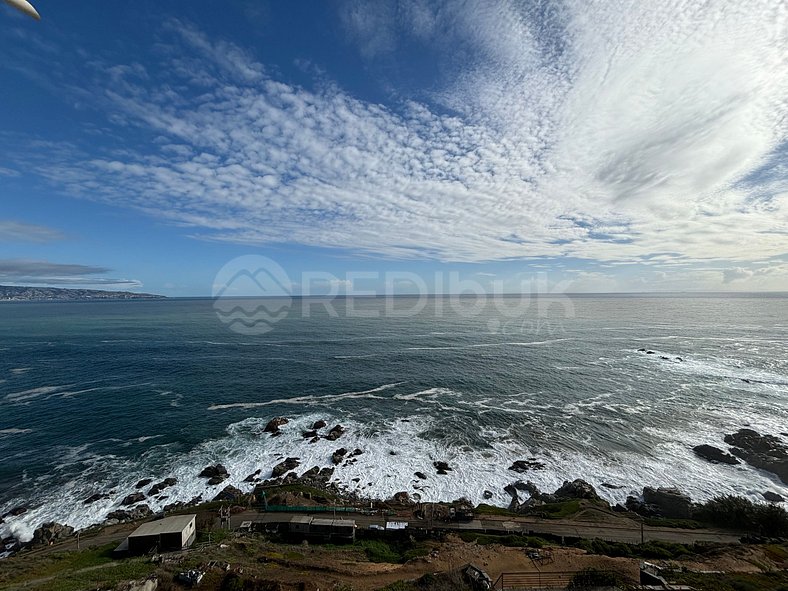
column 97, row 395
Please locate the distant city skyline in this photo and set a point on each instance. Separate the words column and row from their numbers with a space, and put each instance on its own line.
column 523, row 146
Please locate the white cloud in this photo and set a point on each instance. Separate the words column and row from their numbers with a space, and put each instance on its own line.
column 607, row 131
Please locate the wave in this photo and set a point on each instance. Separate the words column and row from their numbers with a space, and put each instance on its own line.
column 392, row 452
column 482, row 345
column 308, row 400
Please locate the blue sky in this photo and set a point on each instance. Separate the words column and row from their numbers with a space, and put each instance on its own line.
column 604, row 147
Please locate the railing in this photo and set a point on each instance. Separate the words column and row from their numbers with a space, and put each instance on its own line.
column 533, row 580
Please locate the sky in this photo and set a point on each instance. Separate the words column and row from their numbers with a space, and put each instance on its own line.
column 605, row 146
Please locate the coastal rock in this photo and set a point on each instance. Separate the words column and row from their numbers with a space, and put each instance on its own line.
column 160, row 486
column 15, row 512
column 670, row 502
column 511, row 491
column 765, row 452
column 773, row 497
column 355, row 452
column 528, row 487
column 637, row 506
column 285, row 466
column 338, row 455
column 51, row 532
column 420, row 475
column 319, row 424
column 229, row 493
column 714, row 454
column 335, row 433
column 402, row 498
column 577, row 489
column 214, row 471
column 139, row 512
column 273, row 425
column 133, row 498
column 253, row 476
column 309, row 434
column 143, row 482
column 487, row 494
column 441, row 467
column 612, row 486
column 95, row 497
column 311, row 473
column 521, row 466
column 649, row 352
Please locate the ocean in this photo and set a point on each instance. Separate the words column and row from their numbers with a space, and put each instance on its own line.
column 95, row 396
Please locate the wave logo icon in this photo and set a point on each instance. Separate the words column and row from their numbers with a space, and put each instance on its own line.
column 252, row 293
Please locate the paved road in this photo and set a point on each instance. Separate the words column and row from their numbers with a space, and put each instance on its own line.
column 627, row 531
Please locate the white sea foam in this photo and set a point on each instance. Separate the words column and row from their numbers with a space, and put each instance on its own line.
column 245, row 449
column 14, row 431
column 307, row 400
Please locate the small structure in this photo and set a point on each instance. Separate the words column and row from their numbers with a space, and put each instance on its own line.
column 171, row 533
column 343, row 530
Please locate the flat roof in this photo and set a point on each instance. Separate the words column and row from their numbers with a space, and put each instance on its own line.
column 169, row 525
column 301, row 519
column 334, row 522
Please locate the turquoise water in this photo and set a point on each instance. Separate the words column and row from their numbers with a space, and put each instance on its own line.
column 97, row 395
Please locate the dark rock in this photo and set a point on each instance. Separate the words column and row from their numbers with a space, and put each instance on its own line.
column 335, row 433
column 133, row 498
column 421, row 475
column 402, row 498
column 309, row 434
column 528, row 487
column 273, row 425
column 487, row 494
column 314, row 440
column 160, row 486
column 664, row 358
column 214, row 480
column 765, row 452
column 392, row 453
column 318, row 424
column 213, row 471
column 95, row 497
column 670, row 502
column 679, row 359
column 138, row 512
column 310, row 474
column 338, row 455
column 229, row 493
column 355, row 452
column 619, row 508
column 51, row 532
column 637, row 506
column 285, row 466
column 649, row 352
column 253, row 476
column 15, row 512
column 773, row 497
column 577, row 489
column 612, row 486
column 525, row 465
column 325, row 474
column 143, row 482
column 512, row 491
column 714, row 454
column 641, row 350
column 441, row 467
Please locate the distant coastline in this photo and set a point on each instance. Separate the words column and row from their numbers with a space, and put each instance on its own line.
column 9, row 293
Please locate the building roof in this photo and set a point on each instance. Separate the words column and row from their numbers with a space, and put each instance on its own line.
column 301, row 519
column 169, row 525
column 334, row 522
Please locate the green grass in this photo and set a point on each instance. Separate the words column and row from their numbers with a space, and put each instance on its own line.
column 484, row 509
column 674, row 523
column 391, row 552
column 561, row 510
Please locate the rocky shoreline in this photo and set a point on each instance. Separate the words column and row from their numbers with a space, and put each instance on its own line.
column 315, row 487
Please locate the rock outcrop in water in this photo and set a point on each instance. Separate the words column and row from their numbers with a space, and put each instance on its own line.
column 160, row 486
column 133, row 498
column 521, row 466
column 335, row 433
column 215, row 474
column 273, row 426
column 773, row 497
column 765, row 452
column 714, row 454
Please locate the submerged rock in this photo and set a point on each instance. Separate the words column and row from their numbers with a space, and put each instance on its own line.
column 442, row 467
column 714, row 454
column 143, row 482
column 95, row 497
column 421, row 475
column 15, row 512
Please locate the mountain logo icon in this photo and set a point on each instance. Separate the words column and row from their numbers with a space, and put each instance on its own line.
column 251, row 294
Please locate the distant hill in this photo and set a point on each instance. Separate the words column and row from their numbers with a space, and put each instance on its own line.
column 10, row 293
